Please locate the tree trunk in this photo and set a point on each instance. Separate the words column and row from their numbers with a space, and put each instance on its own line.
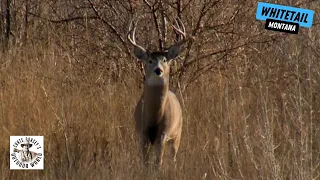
column 8, row 23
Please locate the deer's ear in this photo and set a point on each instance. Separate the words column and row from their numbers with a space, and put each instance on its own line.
column 173, row 52
column 140, row 53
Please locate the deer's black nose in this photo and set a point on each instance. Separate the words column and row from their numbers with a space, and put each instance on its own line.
column 158, row 71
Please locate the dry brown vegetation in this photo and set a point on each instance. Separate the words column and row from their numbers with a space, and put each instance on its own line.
column 250, row 97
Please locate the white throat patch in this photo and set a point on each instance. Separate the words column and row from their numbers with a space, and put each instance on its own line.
column 154, row 80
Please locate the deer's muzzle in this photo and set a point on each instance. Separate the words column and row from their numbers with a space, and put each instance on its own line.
column 158, row 71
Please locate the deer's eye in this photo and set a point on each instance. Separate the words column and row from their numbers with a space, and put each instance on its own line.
column 150, row 62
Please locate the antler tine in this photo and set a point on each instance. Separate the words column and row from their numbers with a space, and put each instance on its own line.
column 181, row 31
column 183, row 28
column 132, row 35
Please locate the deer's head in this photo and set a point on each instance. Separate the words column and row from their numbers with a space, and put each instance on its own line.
column 157, row 64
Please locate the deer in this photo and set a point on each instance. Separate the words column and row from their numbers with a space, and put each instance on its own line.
column 158, row 113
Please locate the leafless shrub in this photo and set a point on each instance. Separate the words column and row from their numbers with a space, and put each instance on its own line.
column 249, row 96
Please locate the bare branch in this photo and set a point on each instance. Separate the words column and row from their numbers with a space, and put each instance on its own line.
column 164, row 24
column 113, row 29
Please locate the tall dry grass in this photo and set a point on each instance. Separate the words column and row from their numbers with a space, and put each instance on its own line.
column 256, row 121
column 253, row 114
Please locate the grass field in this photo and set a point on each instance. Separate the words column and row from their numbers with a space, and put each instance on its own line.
column 254, row 117
column 235, row 127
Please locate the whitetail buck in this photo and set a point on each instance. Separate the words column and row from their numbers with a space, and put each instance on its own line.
column 158, row 114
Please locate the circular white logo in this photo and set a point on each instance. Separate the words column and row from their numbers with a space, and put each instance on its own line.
column 26, row 152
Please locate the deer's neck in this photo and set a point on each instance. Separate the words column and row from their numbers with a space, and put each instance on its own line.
column 155, row 98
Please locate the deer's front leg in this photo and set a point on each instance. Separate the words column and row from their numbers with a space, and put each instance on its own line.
column 145, row 146
column 160, row 147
